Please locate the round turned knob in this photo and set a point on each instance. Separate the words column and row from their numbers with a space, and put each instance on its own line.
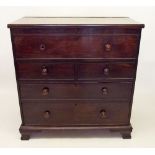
column 44, row 70
column 45, row 91
column 103, row 113
column 106, row 71
column 47, row 114
column 104, row 91
column 42, row 47
column 108, row 47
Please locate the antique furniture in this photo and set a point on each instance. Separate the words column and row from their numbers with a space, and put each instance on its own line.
column 75, row 73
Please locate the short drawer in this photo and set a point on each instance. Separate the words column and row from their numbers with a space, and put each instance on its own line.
column 76, row 46
column 121, row 90
column 45, row 70
column 66, row 113
column 106, row 70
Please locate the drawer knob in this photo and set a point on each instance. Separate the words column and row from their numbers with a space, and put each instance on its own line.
column 108, row 47
column 47, row 114
column 106, row 71
column 45, row 91
column 42, row 47
column 44, row 70
column 104, row 91
column 103, row 113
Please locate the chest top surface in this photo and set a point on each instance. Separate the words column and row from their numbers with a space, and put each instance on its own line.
column 79, row 21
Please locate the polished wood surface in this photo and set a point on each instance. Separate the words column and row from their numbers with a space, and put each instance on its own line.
column 75, row 73
column 72, row 113
column 89, row 71
column 45, row 70
column 106, row 70
column 76, row 46
column 48, row 21
column 115, row 90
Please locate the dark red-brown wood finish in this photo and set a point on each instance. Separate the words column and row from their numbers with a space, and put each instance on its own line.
column 75, row 76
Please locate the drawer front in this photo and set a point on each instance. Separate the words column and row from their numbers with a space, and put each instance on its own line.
column 79, row 46
column 73, row 112
column 106, row 70
column 108, row 91
column 86, row 71
column 45, row 71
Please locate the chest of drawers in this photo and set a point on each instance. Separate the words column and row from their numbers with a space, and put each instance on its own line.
column 75, row 73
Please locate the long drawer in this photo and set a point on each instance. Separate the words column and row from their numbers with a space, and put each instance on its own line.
column 81, row 71
column 121, row 90
column 62, row 113
column 76, row 46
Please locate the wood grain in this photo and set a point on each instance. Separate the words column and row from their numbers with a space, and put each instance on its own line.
column 75, row 73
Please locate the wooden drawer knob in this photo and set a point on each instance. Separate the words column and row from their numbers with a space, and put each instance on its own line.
column 103, row 113
column 106, row 71
column 45, row 91
column 44, row 70
column 108, row 47
column 42, row 47
column 47, row 114
column 104, row 91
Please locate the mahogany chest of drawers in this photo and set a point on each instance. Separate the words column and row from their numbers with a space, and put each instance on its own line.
column 75, row 73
